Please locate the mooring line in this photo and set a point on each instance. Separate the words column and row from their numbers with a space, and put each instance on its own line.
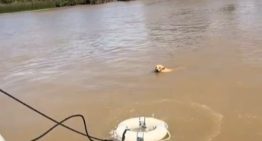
column 86, row 134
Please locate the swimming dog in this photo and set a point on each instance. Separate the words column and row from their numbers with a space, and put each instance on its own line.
column 160, row 68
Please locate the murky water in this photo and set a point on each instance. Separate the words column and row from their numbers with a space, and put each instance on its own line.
column 97, row 61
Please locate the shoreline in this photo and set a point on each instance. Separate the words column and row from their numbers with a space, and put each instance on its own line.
column 41, row 5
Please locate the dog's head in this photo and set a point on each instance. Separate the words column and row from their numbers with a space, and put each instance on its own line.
column 159, row 68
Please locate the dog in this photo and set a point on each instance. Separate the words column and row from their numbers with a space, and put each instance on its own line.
column 160, row 68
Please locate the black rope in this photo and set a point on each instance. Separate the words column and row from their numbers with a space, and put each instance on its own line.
column 124, row 134
column 55, row 121
column 49, row 130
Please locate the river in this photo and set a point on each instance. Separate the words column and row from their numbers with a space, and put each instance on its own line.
column 97, row 60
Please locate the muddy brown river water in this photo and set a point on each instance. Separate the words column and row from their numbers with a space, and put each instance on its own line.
column 98, row 61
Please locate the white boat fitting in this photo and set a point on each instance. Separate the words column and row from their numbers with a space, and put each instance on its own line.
column 142, row 129
column 1, row 138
